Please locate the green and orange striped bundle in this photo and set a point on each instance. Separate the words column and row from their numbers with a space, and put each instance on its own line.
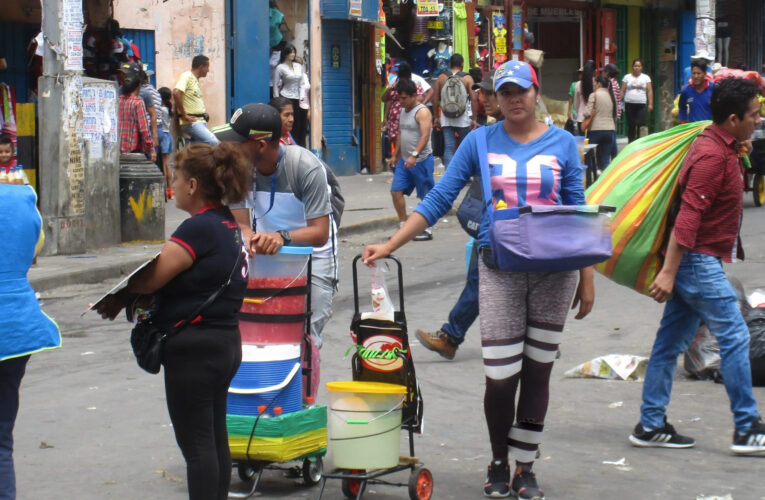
column 641, row 183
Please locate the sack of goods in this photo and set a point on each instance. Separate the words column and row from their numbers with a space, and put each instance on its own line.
column 642, row 183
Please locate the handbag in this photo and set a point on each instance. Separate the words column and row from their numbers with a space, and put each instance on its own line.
column 147, row 339
column 544, row 238
column 470, row 211
column 587, row 122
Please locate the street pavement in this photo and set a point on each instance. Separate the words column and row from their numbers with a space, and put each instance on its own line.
column 92, row 425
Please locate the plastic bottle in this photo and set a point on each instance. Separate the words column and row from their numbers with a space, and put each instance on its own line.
column 17, row 179
column 3, row 176
column 23, row 175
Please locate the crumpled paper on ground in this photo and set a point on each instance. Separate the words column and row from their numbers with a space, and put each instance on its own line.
column 611, row 366
column 715, row 497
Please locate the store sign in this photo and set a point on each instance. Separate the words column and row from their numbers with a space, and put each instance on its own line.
column 551, row 12
column 427, row 8
column 335, row 56
column 355, row 8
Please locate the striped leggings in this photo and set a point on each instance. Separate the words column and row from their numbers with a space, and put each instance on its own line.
column 522, row 317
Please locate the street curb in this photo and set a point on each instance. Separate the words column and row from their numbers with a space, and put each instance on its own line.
column 98, row 272
column 93, row 274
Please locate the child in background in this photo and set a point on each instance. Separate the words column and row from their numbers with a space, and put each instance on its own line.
column 7, row 162
column 165, row 147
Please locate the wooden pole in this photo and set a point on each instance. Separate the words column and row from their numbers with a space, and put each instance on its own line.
column 314, row 46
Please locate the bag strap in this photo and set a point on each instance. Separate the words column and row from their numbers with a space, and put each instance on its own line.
column 483, row 158
column 183, row 324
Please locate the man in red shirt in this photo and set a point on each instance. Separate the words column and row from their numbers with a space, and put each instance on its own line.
column 706, row 233
column 135, row 135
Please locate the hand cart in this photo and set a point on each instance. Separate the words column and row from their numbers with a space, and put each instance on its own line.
column 753, row 177
column 310, row 423
column 354, row 482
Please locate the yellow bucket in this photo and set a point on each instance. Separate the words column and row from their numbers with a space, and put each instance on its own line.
column 364, row 424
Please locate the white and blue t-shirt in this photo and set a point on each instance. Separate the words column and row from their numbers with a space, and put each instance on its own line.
column 545, row 171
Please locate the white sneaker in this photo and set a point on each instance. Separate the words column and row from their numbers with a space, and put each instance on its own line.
column 425, row 235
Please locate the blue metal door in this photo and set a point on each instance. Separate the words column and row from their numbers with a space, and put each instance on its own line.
column 342, row 149
column 685, row 49
column 144, row 40
column 247, row 53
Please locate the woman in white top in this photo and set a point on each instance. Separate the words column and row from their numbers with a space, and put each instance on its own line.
column 637, row 94
column 289, row 82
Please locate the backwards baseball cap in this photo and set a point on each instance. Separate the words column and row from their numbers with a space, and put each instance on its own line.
column 486, row 83
column 517, row 72
column 252, row 122
column 131, row 72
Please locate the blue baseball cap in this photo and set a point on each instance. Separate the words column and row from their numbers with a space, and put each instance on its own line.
column 517, row 72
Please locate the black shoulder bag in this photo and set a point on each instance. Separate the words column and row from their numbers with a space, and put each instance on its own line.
column 148, row 339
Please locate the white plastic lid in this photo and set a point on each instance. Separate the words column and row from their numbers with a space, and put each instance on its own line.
column 275, row 352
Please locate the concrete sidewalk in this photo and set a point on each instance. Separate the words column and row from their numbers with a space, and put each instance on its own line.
column 367, row 207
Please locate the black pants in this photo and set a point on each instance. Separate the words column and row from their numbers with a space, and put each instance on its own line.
column 636, row 118
column 300, row 126
column 199, row 364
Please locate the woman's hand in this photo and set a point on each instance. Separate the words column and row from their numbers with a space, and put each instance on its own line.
column 373, row 252
column 585, row 293
column 111, row 305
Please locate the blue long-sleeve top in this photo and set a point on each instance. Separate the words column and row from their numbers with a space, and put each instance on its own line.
column 694, row 105
column 545, row 171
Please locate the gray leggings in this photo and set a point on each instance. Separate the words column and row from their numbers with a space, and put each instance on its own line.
column 522, row 317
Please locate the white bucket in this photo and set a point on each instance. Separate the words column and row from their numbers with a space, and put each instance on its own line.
column 364, row 424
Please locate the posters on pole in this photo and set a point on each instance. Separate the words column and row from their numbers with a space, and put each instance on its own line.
column 71, row 34
column 355, row 8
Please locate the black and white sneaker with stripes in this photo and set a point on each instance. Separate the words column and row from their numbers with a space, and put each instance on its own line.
column 752, row 442
column 663, row 437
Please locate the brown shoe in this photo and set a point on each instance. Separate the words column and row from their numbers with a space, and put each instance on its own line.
column 438, row 341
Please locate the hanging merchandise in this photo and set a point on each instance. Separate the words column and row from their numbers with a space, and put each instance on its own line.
column 441, row 56
column 427, row 8
column 500, row 39
column 461, row 35
column 439, row 26
column 275, row 20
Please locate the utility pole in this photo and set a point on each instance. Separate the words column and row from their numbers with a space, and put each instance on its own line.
column 79, row 151
column 704, row 40
column 314, row 48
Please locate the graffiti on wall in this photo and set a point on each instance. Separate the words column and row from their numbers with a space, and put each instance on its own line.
column 193, row 45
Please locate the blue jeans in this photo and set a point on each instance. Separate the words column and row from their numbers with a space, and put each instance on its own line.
column 452, row 138
column 465, row 311
column 199, row 132
column 701, row 293
column 606, row 141
column 11, row 373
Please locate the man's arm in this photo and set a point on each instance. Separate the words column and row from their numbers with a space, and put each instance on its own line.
column 424, row 121
column 649, row 90
column 315, row 234
column 152, row 110
column 661, row 288
column 3, row 63
column 178, row 99
column 143, row 128
column 468, row 81
column 436, row 97
column 427, row 96
column 682, row 107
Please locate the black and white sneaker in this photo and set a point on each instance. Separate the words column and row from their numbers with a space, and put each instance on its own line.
column 663, row 437
column 752, row 442
column 525, row 486
column 425, row 235
column 497, row 480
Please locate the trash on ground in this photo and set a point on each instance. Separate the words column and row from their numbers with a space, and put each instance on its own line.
column 757, row 298
column 621, row 461
column 715, row 497
column 611, row 366
column 616, row 404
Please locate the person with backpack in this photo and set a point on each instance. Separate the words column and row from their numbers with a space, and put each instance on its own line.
column 308, row 209
column 453, row 105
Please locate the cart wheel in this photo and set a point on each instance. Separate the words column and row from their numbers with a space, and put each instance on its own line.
column 758, row 190
column 420, row 484
column 351, row 487
column 247, row 472
column 312, row 470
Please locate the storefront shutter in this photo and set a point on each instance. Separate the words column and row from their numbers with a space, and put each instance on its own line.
column 144, row 40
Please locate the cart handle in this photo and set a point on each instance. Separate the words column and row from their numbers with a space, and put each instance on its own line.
column 276, row 387
column 400, row 283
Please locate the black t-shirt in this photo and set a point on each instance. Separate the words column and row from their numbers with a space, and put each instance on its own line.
column 213, row 240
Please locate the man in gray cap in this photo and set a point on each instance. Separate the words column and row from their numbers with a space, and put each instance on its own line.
column 296, row 179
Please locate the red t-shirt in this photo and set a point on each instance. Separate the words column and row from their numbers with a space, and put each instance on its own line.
column 711, row 183
column 8, row 166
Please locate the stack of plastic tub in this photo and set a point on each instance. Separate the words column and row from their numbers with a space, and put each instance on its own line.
column 269, row 383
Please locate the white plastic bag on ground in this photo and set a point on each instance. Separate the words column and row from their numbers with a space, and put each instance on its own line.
column 611, row 366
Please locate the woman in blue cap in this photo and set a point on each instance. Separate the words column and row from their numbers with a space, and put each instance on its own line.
column 522, row 313
column 27, row 330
